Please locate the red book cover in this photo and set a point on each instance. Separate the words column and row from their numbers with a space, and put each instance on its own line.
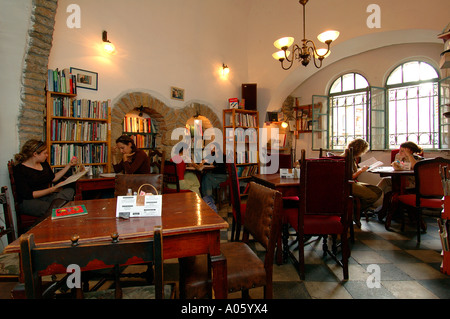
column 70, row 211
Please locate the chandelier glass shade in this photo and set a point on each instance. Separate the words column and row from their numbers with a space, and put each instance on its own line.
column 307, row 51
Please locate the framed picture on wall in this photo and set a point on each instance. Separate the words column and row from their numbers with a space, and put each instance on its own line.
column 85, row 79
column 176, row 93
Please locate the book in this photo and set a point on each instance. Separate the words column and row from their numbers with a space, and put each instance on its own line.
column 372, row 163
column 233, row 103
column 70, row 211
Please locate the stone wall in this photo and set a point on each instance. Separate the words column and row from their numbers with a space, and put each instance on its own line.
column 34, row 74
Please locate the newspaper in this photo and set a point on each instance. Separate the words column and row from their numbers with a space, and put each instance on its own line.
column 72, row 178
column 372, row 163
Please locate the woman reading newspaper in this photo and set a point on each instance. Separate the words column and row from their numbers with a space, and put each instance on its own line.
column 368, row 194
column 34, row 178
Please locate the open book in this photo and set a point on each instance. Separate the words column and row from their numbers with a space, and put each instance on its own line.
column 72, row 178
column 372, row 163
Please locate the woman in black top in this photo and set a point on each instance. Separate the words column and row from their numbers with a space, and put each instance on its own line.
column 34, row 177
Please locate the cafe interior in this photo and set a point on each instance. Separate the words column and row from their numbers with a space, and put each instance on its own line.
column 298, row 81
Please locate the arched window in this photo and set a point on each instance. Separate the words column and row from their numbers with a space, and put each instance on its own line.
column 348, row 100
column 413, row 105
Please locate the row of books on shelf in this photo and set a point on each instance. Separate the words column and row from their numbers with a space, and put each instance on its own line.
column 247, row 170
column 64, row 130
column 80, row 108
column 132, row 124
column 241, row 119
column 61, row 154
column 62, row 81
column 247, row 156
column 144, row 141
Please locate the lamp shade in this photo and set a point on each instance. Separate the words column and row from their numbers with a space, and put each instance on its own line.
column 321, row 52
column 109, row 47
column 285, row 42
column 330, row 35
column 280, row 55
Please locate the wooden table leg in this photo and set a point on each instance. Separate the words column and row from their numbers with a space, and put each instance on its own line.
column 219, row 276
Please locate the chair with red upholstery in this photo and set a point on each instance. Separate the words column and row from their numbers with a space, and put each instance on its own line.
column 428, row 189
column 326, row 206
column 172, row 173
column 245, row 269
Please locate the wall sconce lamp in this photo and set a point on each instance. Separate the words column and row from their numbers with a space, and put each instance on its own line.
column 107, row 45
column 225, row 69
column 284, row 124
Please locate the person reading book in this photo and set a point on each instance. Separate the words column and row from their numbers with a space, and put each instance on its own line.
column 34, row 178
column 128, row 158
column 367, row 193
column 405, row 159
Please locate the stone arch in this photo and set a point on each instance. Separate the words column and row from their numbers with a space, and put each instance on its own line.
column 167, row 118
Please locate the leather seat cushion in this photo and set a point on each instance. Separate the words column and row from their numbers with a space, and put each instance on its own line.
column 245, row 270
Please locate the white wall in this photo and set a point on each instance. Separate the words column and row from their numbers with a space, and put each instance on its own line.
column 159, row 44
column 14, row 23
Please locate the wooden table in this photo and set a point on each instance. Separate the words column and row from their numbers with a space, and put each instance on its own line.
column 190, row 227
column 286, row 186
column 89, row 183
column 397, row 189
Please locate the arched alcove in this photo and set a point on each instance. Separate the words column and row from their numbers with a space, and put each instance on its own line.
column 167, row 118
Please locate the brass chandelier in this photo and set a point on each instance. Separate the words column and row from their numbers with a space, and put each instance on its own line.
column 307, row 51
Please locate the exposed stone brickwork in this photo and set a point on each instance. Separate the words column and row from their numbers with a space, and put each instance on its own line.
column 39, row 43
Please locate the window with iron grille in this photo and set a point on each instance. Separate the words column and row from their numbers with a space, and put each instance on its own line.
column 348, row 100
column 413, row 105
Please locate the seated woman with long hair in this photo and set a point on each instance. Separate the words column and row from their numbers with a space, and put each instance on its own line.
column 34, row 177
column 132, row 160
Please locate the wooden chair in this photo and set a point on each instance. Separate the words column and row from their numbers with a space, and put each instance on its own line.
column 9, row 263
column 123, row 182
column 325, row 206
column 238, row 207
column 428, row 189
column 245, row 270
column 8, row 229
column 157, row 160
column 37, row 260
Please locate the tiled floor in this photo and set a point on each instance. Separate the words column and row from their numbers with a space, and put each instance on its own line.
column 407, row 270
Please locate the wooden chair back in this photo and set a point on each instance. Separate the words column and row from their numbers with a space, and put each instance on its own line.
column 157, row 160
column 171, row 177
column 123, row 182
column 325, row 178
column 263, row 218
column 235, row 195
column 428, row 181
column 8, row 229
column 40, row 261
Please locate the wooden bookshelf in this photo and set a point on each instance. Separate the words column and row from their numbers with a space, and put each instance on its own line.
column 236, row 123
column 143, row 130
column 78, row 127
